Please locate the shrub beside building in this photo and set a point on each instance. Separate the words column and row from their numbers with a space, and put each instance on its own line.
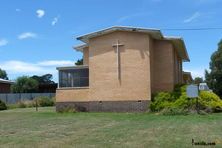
column 177, row 102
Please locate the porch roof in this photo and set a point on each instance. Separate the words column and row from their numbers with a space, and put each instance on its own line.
column 72, row 67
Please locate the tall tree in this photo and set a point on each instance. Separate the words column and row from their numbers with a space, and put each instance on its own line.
column 198, row 80
column 214, row 76
column 44, row 79
column 79, row 62
column 25, row 84
column 3, row 74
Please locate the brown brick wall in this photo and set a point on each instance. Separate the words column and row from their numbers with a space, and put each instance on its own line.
column 105, row 106
column 177, row 68
column 72, row 94
column 163, row 71
column 86, row 56
column 152, row 66
column 180, row 71
column 5, row 88
column 135, row 67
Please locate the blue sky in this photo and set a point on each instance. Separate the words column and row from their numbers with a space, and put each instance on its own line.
column 36, row 36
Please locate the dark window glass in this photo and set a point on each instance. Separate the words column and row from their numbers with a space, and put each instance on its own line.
column 74, row 78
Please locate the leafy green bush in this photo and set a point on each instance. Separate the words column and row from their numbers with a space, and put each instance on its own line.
column 21, row 105
column 175, row 99
column 68, row 109
column 2, row 105
column 12, row 106
column 177, row 102
column 174, row 111
column 29, row 103
column 184, row 102
column 44, row 101
column 178, row 90
column 209, row 99
column 26, row 103
column 41, row 102
column 161, row 100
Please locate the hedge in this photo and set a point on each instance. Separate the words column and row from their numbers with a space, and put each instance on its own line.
column 2, row 105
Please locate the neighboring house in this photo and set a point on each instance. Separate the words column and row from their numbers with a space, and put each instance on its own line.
column 5, row 86
column 122, row 67
column 187, row 77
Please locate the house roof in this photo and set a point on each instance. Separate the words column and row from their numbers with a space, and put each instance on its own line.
column 177, row 42
column 6, row 81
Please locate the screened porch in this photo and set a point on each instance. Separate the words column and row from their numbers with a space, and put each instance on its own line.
column 73, row 77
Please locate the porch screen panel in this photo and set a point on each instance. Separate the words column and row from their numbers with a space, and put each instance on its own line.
column 74, row 78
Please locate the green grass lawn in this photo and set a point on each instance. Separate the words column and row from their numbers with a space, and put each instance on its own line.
column 46, row 128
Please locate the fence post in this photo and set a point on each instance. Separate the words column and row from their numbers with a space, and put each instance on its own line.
column 36, row 105
column 6, row 98
column 20, row 97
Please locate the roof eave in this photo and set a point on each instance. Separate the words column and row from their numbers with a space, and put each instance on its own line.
column 85, row 38
column 80, row 47
column 186, row 59
column 72, row 67
column 7, row 82
column 184, row 56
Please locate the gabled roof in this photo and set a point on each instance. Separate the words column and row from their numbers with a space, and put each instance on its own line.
column 6, row 81
column 177, row 42
column 155, row 33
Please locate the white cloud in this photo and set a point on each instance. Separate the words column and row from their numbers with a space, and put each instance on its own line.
column 17, row 10
column 156, row 0
column 19, row 68
column 124, row 18
column 128, row 17
column 55, row 20
column 206, row 1
column 197, row 72
column 40, row 13
column 26, row 35
column 55, row 63
column 192, row 18
column 3, row 42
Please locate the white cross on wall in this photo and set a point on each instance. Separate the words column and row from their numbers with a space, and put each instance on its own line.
column 117, row 45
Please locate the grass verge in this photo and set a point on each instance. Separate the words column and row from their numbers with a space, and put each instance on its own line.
column 46, row 128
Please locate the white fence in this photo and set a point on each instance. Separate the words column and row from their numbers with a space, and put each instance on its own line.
column 15, row 98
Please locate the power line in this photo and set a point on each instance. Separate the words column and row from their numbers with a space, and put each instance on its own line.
column 187, row 29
